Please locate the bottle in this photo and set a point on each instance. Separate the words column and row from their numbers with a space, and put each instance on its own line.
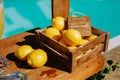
column 1, row 18
column 13, row 76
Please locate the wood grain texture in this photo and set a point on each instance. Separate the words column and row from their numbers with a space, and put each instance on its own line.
column 80, row 23
column 60, row 8
column 51, row 71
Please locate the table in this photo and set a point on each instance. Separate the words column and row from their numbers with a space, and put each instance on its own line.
column 48, row 72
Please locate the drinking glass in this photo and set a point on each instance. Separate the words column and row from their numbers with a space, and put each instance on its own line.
column 1, row 18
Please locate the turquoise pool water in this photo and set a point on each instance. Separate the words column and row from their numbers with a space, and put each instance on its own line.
column 23, row 15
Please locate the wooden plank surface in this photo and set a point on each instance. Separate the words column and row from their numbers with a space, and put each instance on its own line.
column 60, row 8
column 50, row 71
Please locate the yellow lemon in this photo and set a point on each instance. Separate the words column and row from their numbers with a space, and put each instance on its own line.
column 62, row 42
column 37, row 58
column 84, row 41
column 22, row 52
column 52, row 33
column 92, row 37
column 58, row 23
column 71, row 47
column 72, row 37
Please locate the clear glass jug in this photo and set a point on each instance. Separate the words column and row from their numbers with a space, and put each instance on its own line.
column 1, row 18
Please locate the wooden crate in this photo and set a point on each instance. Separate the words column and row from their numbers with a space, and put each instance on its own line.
column 70, row 59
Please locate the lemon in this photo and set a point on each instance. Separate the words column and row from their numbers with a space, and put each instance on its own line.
column 22, row 52
column 62, row 42
column 71, row 47
column 52, row 33
column 37, row 58
column 92, row 37
column 84, row 41
column 72, row 37
column 58, row 23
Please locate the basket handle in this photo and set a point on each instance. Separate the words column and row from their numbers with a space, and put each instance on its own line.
column 60, row 8
column 76, row 13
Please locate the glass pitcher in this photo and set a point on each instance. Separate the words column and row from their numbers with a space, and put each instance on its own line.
column 1, row 18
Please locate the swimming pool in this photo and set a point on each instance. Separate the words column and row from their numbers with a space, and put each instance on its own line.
column 23, row 15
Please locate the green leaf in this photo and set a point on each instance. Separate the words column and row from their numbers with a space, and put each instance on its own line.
column 107, row 70
column 109, row 62
column 101, row 72
column 115, row 66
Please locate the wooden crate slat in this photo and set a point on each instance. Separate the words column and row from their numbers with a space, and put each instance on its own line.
column 97, row 31
column 60, row 8
column 89, row 45
column 106, row 41
column 85, row 58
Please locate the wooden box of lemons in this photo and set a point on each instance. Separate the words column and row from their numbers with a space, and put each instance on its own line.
column 71, row 38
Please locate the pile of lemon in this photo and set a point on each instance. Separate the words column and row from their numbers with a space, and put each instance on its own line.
column 71, row 38
column 34, row 57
